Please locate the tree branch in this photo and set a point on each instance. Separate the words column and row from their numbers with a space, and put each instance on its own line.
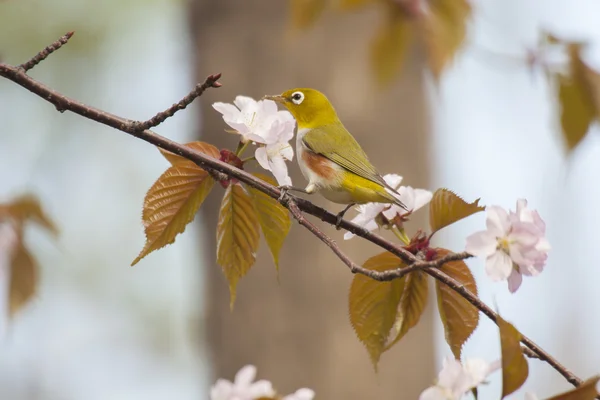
column 297, row 206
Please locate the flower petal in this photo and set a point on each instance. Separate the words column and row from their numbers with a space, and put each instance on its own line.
column 393, row 180
column 279, row 170
column 258, row 389
column 481, row 244
column 497, row 221
column 245, row 376
column 229, row 111
column 422, row 197
column 261, row 157
column 434, row 393
column 499, row 266
column 301, row 394
column 221, row 390
column 514, row 280
column 244, row 102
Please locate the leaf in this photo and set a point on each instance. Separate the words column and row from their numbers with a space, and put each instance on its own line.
column 390, row 45
column 446, row 208
column 28, row 207
column 202, row 147
column 171, row 204
column 578, row 98
column 459, row 317
column 586, row 391
column 373, row 305
column 514, row 365
column 274, row 218
column 304, row 13
column 353, row 4
column 444, row 29
column 23, row 279
column 412, row 304
column 238, row 236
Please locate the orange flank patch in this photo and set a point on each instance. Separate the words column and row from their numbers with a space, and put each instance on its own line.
column 319, row 165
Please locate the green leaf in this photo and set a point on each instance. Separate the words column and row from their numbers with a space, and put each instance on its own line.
column 390, row 45
column 459, row 317
column 274, row 218
column 373, row 305
column 23, row 278
column 514, row 365
column 412, row 304
column 202, row 147
column 444, row 30
column 446, row 208
column 238, row 236
column 171, row 204
column 586, row 391
column 578, row 98
column 28, row 207
column 304, row 13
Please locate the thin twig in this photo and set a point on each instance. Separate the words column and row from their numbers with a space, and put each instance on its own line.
column 42, row 55
column 529, row 353
column 211, row 81
column 221, row 170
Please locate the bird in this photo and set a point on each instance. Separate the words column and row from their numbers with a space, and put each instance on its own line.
column 329, row 157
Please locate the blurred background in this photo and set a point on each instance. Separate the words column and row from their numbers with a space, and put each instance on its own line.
column 98, row 329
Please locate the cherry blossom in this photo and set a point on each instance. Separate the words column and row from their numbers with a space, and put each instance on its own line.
column 514, row 244
column 414, row 199
column 243, row 387
column 301, row 394
column 456, row 379
column 262, row 123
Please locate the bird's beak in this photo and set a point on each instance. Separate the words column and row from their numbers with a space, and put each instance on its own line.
column 276, row 98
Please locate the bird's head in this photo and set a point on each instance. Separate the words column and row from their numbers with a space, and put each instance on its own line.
column 309, row 107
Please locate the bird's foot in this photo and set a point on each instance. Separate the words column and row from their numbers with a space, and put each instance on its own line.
column 340, row 216
column 283, row 191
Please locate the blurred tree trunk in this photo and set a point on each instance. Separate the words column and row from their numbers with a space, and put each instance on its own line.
column 297, row 332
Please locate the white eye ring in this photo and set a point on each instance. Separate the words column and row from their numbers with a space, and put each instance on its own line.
column 297, row 97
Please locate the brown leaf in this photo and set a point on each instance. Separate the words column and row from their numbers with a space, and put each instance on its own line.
column 514, row 364
column 390, row 45
column 373, row 305
column 444, row 28
column 171, row 204
column 238, row 236
column 28, row 207
column 578, row 95
column 446, row 208
column 274, row 218
column 354, row 4
column 459, row 317
column 23, row 279
column 202, row 147
column 304, row 13
column 586, row 391
column 412, row 304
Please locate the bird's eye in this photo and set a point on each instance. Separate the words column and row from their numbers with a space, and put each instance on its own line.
column 297, row 97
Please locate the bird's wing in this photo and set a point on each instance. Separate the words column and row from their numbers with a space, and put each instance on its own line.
column 348, row 154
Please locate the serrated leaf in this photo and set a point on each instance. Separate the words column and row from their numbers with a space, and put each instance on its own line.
column 586, row 391
column 274, row 218
column 172, row 203
column 514, row 364
column 390, row 45
column 28, row 207
column 579, row 102
column 304, row 13
column 238, row 236
column 411, row 306
column 23, row 279
column 446, row 207
column 202, row 147
column 373, row 305
column 459, row 317
column 444, row 30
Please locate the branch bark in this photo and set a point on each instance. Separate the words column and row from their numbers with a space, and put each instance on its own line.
column 297, row 206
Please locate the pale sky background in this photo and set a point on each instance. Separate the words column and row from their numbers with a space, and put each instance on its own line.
column 497, row 137
column 127, row 329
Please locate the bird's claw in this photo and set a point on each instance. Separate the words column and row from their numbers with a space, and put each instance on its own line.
column 338, row 220
column 283, row 191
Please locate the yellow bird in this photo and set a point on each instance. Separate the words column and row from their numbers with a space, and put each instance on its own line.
column 329, row 157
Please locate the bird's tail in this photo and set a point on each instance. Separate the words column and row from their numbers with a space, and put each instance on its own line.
column 394, row 196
